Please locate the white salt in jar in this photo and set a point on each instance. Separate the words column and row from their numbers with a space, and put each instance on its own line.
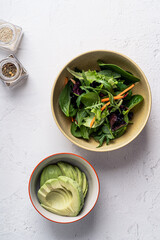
column 10, row 36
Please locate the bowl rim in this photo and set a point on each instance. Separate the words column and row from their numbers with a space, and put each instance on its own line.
column 149, row 105
column 29, row 186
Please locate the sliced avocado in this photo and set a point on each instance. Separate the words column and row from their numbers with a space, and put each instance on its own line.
column 62, row 196
column 79, row 177
column 42, row 178
column 78, row 200
column 50, row 172
column 85, row 184
column 67, row 170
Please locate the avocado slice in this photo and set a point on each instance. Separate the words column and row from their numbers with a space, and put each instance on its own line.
column 67, row 170
column 85, row 184
column 62, row 196
column 79, row 177
column 50, row 172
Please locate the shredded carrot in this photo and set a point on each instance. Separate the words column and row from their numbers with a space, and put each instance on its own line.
column 92, row 122
column 126, row 90
column 73, row 81
column 102, row 108
column 65, row 81
column 72, row 119
column 119, row 96
column 115, row 98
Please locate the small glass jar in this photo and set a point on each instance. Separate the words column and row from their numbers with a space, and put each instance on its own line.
column 10, row 36
column 12, row 73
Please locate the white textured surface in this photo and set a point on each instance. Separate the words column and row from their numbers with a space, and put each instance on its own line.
column 55, row 32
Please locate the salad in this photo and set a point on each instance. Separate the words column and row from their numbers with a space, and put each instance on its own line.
column 99, row 103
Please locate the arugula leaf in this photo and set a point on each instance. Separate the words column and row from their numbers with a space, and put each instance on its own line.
column 106, row 85
column 65, row 99
column 111, row 99
column 88, row 119
column 107, row 130
column 126, row 119
column 98, row 89
column 86, row 82
column 85, row 132
column 97, row 113
column 90, row 76
column 100, row 139
column 115, row 106
column 127, row 76
column 104, row 134
column 77, row 75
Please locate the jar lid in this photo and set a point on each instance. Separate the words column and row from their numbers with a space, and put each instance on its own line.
column 5, row 62
column 7, row 34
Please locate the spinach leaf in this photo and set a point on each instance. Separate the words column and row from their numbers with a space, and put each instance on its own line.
column 128, row 77
column 119, row 132
column 72, row 111
column 78, row 101
column 109, row 73
column 64, row 99
column 90, row 98
column 75, row 130
column 121, row 86
column 81, row 114
column 135, row 100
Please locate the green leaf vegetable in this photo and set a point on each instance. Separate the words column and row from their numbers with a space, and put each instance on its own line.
column 65, row 101
column 81, row 99
column 128, row 77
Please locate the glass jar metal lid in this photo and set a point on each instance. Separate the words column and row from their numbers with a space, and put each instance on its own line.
column 9, row 69
column 7, row 33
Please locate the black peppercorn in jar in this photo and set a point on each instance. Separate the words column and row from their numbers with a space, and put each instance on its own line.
column 11, row 71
